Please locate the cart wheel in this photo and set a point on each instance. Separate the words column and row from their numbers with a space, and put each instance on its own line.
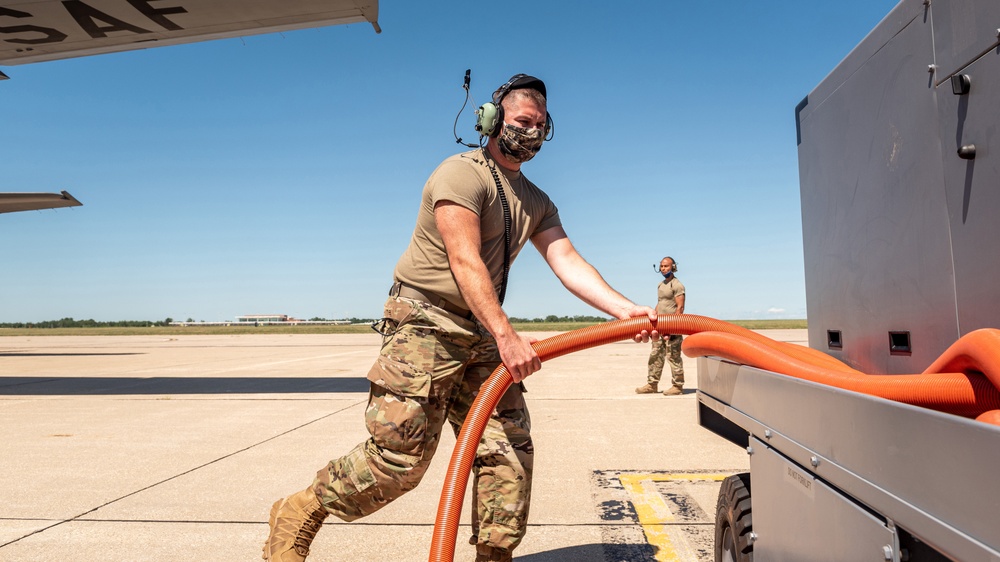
column 733, row 520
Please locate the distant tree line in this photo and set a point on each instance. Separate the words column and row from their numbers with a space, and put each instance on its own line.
column 550, row 318
column 89, row 323
column 352, row 320
column 553, row 318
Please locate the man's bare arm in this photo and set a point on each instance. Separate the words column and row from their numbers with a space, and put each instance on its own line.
column 460, row 230
column 584, row 281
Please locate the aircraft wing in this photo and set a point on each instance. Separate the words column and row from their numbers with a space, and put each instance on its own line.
column 45, row 30
column 13, row 202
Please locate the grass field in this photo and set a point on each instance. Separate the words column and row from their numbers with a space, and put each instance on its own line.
column 324, row 329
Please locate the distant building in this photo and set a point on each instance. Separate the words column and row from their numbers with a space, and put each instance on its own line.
column 262, row 320
column 269, row 318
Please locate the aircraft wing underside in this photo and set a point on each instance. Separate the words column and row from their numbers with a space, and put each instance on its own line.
column 13, row 202
column 45, row 30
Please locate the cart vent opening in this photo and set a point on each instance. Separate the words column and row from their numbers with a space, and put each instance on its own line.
column 833, row 340
column 899, row 343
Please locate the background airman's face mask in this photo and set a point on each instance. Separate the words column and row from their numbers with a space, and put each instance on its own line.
column 520, row 144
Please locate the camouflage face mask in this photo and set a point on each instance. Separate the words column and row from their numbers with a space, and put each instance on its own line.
column 519, row 144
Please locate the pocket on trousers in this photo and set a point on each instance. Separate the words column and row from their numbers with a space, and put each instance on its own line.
column 400, row 377
column 404, row 365
column 397, row 423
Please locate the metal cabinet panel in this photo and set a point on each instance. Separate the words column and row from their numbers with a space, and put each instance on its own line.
column 902, row 15
column 963, row 31
column 874, row 219
column 973, row 191
column 797, row 517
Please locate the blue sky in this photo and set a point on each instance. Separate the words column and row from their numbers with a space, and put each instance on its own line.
column 281, row 173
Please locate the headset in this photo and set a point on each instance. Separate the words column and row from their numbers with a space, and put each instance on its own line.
column 656, row 266
column 489, row 116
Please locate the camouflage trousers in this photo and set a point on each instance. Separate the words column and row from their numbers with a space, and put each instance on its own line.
column 666, row 349
column 430, row 368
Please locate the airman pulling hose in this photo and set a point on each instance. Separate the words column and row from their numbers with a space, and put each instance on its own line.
column 969, row 392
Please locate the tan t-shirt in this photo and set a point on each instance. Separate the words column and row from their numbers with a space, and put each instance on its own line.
column 666, row 295
column 465, row 179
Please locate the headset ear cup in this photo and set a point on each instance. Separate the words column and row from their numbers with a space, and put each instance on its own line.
column 488, row 116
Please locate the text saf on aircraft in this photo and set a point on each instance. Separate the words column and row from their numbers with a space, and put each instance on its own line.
column 45, row 30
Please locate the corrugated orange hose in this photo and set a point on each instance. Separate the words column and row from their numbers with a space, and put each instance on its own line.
column 964, row 394
column 969, row 393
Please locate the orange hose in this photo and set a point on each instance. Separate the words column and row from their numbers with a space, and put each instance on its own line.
column 977, row 351
column 993, row 417
column 963, row 394
column 967, row 393
column 457, row 477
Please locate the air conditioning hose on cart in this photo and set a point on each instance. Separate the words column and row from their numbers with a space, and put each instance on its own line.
column 973, row 390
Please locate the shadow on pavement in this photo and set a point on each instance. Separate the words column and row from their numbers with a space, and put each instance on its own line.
column 91, row 354
column 83, row 386
column 594, row 553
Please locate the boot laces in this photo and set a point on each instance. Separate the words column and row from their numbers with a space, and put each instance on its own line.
column 307, row 532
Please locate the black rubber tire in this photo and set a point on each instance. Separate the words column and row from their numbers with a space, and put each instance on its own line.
column 734, row 520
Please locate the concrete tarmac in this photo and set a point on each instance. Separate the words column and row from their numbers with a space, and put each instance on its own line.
column 162, row 449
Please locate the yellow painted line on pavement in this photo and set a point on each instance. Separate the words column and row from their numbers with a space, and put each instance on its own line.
column 655, row 515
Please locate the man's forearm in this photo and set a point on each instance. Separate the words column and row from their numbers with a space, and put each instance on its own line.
column 589, row 286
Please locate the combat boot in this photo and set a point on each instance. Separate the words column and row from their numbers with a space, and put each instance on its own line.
column 486, row 553
column 648, row 388
column 673, row 391
column 294, row 522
